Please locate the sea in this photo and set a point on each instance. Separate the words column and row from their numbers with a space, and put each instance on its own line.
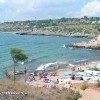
column 41, row 51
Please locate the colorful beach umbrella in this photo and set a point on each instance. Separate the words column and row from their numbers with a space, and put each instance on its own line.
column 83, row 73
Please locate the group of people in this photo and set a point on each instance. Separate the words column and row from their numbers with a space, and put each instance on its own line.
column 42, row 74
column 73, row 77
column 32, row 78
column 46, row 80
column 74, row 69
column 79, row 69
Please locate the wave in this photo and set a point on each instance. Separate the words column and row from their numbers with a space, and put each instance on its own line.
column 80, row 61
column 70, row 47
column 22, row 63
column 64, row 46
column 49, row 64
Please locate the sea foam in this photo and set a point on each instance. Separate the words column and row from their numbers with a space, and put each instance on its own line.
column 64, row 46
column 48, row 65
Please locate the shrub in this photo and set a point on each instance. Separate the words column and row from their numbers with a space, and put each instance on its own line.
column 77, row 95
column 98, row 83
column 98, row 29
column 35, row 93
column 84, row 86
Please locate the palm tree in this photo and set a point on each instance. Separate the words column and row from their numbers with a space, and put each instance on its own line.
column 17, row 55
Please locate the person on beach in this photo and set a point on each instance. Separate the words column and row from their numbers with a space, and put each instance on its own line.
column 25, row 71
column 44, row 68
column 46, row 80
column 57, row 81
column 41, row 74
column 35, row 73
column 73, row 68
column 81, row 78
column 78, row 70
column 81, row 70
column 73, row 76
column 32, row 78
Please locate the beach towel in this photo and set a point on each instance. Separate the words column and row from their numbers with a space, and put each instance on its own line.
column 66, row 74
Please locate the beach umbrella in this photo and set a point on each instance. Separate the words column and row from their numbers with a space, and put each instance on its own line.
column 66, row 74
column 83, row 73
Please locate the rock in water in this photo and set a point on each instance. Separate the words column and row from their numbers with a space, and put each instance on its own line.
column 92, row 44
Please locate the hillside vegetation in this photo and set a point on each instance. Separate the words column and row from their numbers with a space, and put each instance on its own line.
column 19, row 91
column 69, row 26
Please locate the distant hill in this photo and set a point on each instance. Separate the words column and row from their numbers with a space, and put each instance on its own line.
column 66, row 26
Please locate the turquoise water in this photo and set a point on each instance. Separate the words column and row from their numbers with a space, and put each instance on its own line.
column 42, row 50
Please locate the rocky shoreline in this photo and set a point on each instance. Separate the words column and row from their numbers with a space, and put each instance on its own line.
column 92, row 44
column 78, row 35
column 48, row 33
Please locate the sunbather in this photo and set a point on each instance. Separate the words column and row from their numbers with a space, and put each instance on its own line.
column 46, row 80
column 73, row 68
column 81, row 70
column 73, row 76
column 35, row 73
column 57, row 81
column 43, row 74
column 31, row 78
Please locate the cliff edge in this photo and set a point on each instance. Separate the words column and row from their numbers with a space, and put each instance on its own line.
column 92, row 44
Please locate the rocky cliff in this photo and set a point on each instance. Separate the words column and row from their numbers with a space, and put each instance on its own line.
column 92, row 44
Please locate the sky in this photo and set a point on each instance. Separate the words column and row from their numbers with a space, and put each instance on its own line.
column 20, row 10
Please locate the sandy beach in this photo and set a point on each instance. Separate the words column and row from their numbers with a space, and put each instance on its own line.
column 67, row 70
column 66, row 81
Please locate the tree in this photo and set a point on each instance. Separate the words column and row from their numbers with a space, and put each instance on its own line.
column 98, row 29
column 86, row 18
column 63, row 19
column 17, row 55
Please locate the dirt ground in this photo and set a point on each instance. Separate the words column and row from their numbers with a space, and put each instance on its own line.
column 90, row 94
